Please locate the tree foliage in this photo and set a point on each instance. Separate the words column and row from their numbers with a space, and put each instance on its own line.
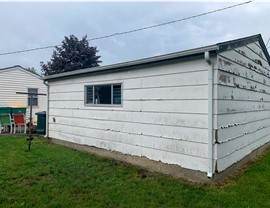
column 33, row 70
column 72, row 55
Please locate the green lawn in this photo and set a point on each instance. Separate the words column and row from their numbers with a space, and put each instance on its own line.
column 54, row 176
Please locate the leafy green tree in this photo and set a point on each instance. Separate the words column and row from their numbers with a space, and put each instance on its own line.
column 32, row 69
column 72, row 55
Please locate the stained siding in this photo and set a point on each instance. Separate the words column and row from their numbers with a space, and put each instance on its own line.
column 15, row 79
column 163, row 117
column 242, row 103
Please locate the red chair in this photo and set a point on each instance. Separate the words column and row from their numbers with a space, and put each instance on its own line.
column 19, row 121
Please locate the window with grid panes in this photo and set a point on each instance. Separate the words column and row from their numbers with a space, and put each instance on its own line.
column 35, row 97
column 107, row 94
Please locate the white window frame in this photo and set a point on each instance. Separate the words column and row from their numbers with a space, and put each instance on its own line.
column 28, row 104
column 103, row 105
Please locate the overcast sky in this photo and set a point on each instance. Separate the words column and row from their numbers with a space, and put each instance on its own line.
column 30, row 25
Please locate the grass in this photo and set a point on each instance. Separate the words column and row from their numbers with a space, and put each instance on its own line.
column 54, row 176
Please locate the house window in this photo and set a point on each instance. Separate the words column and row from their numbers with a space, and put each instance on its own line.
column 35, row 97
column 107, row 94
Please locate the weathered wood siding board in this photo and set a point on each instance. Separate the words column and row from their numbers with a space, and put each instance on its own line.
column 230, row 80
column 236, row 93
column 182, row 120
column 253, row 56
column 163, row 117
column 226, row 120
column 248, row 69
column 199, row 69
column 242, row 103
column 240, row 153
column 257, row 49
column 187, row 161
column 176, row 80
column 252, row 136
column 170, row 106
column 16, row 79
column 176, row 93
column 234, row 106
column 240, row 130
column 136, row 139
column 157, row 130
column 126, row 148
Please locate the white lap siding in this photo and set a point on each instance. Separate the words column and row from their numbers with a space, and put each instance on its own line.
column 242, row 103
column 163, row 116
column 19, row 80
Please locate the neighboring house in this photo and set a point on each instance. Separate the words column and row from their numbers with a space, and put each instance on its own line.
column 203, row 109
column 18, row 79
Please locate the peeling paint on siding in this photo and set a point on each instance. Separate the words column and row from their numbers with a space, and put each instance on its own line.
column 163, row 117
column 243, row 89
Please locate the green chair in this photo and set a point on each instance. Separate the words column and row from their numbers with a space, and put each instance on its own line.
column 5, row 121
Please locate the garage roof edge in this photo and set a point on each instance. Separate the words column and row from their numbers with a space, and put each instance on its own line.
column 219, row 47
column 145, row 61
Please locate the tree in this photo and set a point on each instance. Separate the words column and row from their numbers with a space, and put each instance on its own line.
column 72, row 55
column 32, row 69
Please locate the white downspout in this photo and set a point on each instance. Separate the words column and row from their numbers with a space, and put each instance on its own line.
column 47, row 111
column 210, row 114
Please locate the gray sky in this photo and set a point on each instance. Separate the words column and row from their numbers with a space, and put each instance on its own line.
column 30, row 25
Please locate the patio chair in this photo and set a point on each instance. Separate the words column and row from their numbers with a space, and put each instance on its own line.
column 5, row 122
column 19, row 122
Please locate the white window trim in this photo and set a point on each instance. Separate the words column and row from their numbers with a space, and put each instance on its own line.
column 103, row 105
column 27, row 104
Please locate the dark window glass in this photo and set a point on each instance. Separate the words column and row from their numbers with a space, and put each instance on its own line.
column 117, row 92
column 35, row 97
column 89, row 95
column 34, row 102
column 103, row 94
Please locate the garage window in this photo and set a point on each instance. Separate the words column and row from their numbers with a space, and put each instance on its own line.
column 107, row 94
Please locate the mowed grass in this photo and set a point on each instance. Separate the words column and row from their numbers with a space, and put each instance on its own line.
column 54, row 176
